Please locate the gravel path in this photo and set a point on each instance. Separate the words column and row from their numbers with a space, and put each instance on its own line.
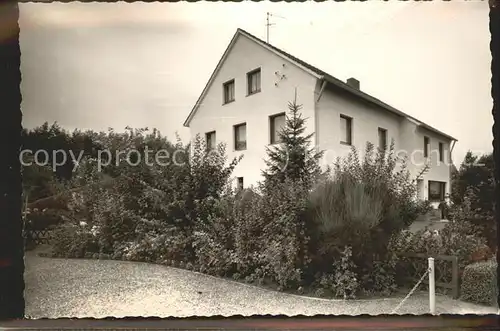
column 93, row 288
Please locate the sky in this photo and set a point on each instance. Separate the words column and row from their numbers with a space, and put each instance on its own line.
column 101, row 65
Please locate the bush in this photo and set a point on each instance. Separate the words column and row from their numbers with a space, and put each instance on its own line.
column 212, row 256
column 153, row 247
column 269, row 234
column 44, row 219
column 473, row 187
column 479, row 283
column 148, row 212
column 343, row 282
column 213, row 238
column 364, row 204
column 448, row 241
column 104, row 210
column 382, row 277
column 74, row 241
column 343, row 213
column 385, row 176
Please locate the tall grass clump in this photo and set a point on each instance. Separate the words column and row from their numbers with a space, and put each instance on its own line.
column 361, row 206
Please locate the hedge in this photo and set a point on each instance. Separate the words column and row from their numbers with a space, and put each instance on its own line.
column 479, row 283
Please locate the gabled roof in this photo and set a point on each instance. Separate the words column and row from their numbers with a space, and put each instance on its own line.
column 271, row 48
column 314, row 71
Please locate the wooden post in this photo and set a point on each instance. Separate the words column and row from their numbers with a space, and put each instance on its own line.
column 454, row 278
column 432, row 287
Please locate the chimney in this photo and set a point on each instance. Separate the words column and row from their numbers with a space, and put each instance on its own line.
column 353, row 82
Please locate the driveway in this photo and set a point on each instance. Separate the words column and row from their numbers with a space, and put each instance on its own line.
column 100, row 288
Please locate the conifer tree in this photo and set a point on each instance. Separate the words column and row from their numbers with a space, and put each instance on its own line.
column 293, row 158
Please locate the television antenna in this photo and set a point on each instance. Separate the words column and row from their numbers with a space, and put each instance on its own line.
column 269, row 24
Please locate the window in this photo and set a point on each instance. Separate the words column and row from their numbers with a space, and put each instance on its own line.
column 240, row 137
column 228, row 88
column 436, row 190
column 426, row 146
column 382, row 139
column 253, row 81
column 210, row 140
column 240, row 183
column 441, row 152
column 277, row 122
column 345, row 130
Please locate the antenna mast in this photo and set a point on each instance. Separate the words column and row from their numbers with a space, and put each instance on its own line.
column 268, row 24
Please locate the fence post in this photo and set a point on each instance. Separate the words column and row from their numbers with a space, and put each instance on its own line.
column 454, row 278
column 432, row 287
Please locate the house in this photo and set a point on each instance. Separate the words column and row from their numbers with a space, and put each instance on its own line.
column 245, row 100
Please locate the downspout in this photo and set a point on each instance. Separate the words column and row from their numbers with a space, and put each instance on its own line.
column 452, row 146
column 321, row 89
column 451, row 159
column 316, row 113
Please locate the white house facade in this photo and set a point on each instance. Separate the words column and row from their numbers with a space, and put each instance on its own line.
column 244, row 102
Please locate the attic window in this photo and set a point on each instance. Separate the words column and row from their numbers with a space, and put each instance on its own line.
column 228, row 88
column 253, row 81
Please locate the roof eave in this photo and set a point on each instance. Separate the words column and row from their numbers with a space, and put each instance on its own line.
column 210, row 80
column 430, row 128
column 383, row 105
column 362, row 95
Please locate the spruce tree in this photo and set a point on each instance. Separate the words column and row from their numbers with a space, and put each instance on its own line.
column 293, row 158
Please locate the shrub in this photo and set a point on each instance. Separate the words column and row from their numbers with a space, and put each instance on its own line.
column 74, row 241
column 448, row 241
column 248, row 230
column 473, row 186
column 149, row 211
column 455, row 240
column 38, row 181
column 213, row 238
column 385, row 176
column 381, row 278
column 476, row 171
column 343, row 213
column 362, row 205
column 343, row 281
column 284, row 237
column 479, row 283
column 43, row 219
column 269, row 234
column 212, row 256
column 103, row 209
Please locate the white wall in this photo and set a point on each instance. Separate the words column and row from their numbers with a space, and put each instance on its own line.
column 438, row 171
column 323, row 116
column 366, row 119
column 255, row 109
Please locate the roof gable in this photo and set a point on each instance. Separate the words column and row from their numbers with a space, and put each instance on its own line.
column 239, row 32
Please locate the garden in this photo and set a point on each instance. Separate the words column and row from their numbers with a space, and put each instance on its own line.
column 340, row 233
